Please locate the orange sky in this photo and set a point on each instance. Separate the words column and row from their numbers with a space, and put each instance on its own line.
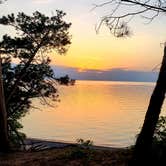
column 142, row 51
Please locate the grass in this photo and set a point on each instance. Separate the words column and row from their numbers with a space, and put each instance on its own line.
column 68, row 156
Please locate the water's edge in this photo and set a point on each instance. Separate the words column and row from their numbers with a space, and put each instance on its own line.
column 43, row 144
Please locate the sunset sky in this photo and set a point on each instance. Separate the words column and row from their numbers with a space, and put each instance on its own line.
column 142, row 51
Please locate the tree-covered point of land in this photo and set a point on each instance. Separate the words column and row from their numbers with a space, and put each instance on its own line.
column 121, row 13
column 25, row 72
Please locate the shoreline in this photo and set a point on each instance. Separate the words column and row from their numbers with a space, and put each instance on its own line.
column 44, row 144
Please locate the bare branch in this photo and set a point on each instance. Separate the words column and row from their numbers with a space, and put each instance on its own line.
column 150, row 7
column 125, row 10
column 100, row 5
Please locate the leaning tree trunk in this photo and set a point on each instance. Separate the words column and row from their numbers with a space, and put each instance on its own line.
column 142, row 150
column 4, row 141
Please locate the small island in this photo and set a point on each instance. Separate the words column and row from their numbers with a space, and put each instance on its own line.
column 65, row 80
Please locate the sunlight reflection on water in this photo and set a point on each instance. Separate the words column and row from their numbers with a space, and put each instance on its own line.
column 109, row 113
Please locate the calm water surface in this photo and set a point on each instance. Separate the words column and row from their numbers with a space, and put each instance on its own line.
column 109, row 113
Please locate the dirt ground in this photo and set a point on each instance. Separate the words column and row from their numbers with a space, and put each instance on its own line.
column 68, row 156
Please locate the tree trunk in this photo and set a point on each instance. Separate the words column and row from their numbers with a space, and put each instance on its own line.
column 142, row 150
column 4, row 141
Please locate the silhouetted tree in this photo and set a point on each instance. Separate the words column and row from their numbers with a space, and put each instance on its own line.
column 122, row 11
column 31, row 77
column 4, row 141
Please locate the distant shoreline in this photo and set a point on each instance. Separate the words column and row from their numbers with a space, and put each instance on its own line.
column 113, row 74
column 116, row 80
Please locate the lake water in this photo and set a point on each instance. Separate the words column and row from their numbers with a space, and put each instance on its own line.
column 109, row 113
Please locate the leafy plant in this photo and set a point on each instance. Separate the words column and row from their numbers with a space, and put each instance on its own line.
column 160, row 131
column 82, row 151
column 87, row 144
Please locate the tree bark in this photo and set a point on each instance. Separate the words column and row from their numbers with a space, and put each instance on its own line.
column 143, row 147
column 4, row 141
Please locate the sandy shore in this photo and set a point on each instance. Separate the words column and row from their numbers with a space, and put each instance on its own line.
column 41, row 144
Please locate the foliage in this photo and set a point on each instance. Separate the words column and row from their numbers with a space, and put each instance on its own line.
column 159, row 142
column 32, row 76
column 84, row 143
column 160, row 131
column 82, row 151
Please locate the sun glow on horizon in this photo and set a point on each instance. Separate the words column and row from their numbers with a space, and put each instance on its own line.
column 105, row 52
column 101, row 51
